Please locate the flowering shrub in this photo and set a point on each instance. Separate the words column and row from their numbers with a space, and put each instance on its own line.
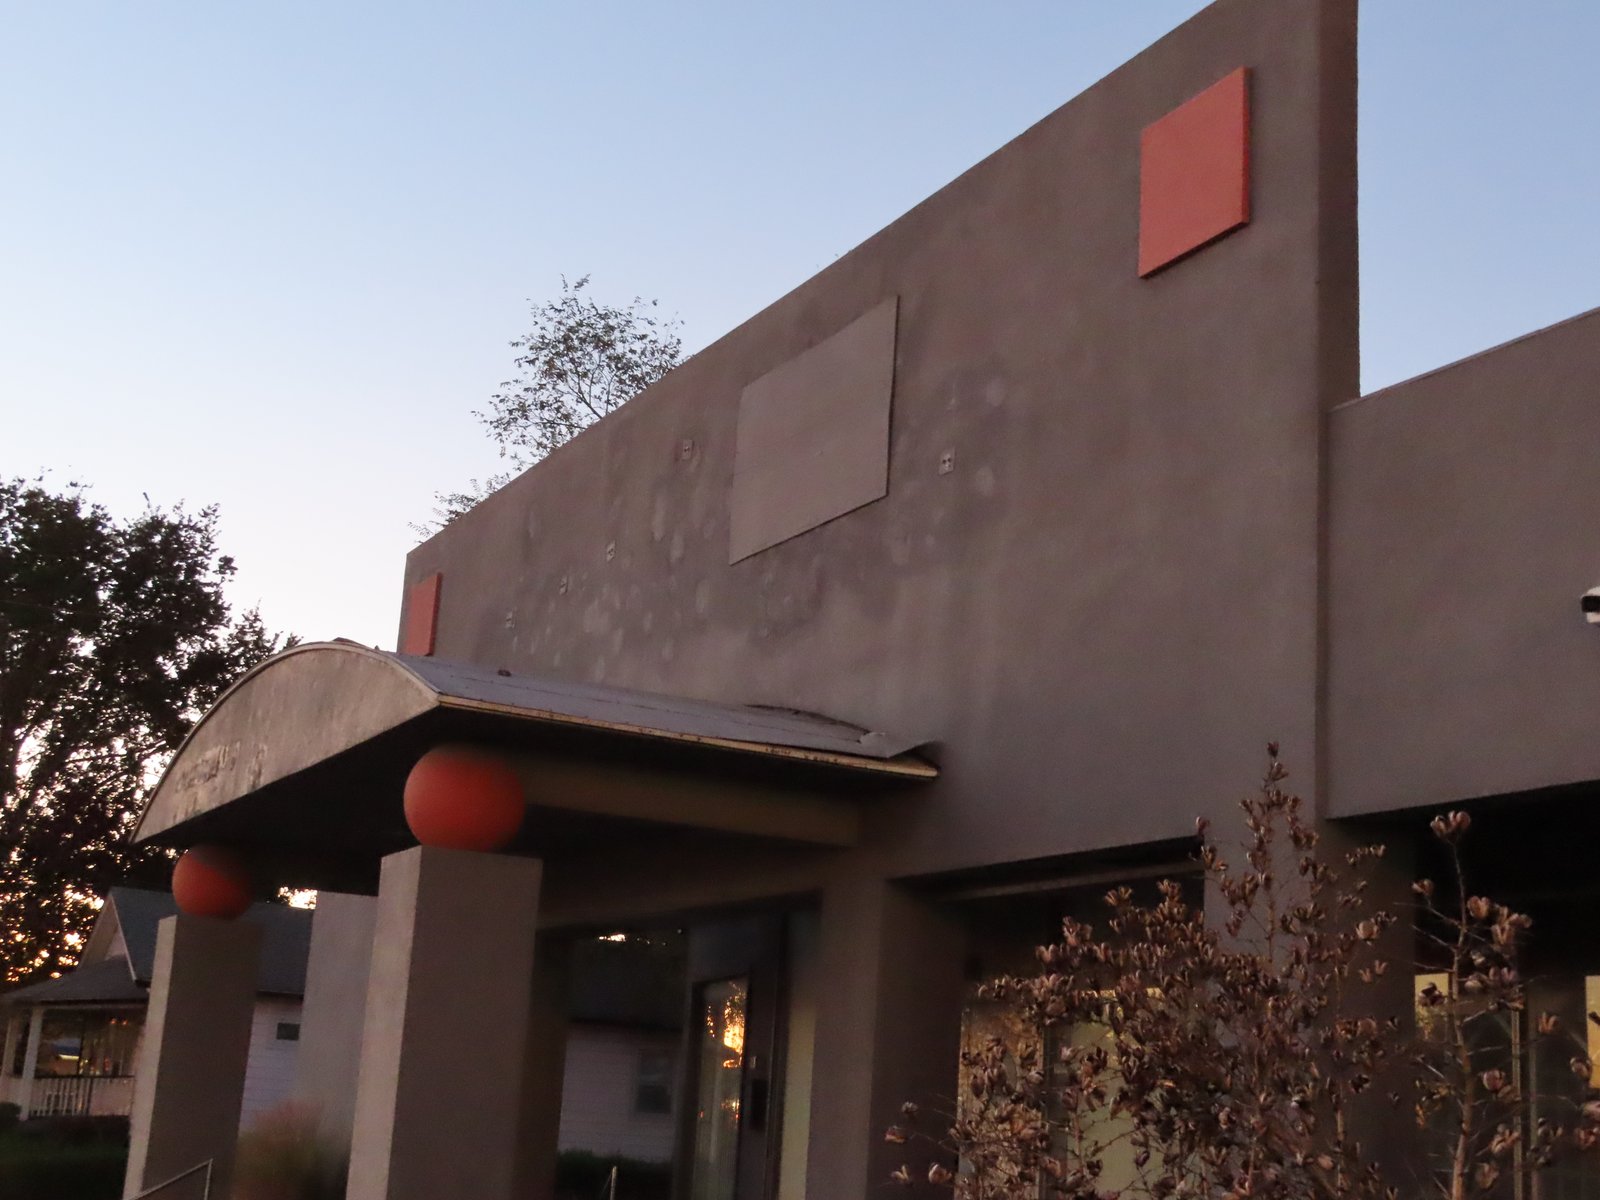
column 1168, row 1056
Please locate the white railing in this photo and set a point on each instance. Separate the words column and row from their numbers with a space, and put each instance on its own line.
column 81, row 1096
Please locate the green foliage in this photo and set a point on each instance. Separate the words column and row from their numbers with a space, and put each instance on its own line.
column 114, row 638
column 38, row 1162
column 579, row 361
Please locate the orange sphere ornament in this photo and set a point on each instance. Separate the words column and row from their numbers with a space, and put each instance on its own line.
column 209, row 881
column 461, row 798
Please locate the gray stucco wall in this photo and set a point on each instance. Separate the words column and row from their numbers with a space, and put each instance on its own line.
column 1111, row 602
column 1465, row 526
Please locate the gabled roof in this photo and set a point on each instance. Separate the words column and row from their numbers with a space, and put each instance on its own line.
column 285, row 946
column 108, row 981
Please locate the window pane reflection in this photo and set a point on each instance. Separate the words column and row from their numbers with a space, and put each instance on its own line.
column 91, row 1043
column 1538, row 1065
column 719, row 1085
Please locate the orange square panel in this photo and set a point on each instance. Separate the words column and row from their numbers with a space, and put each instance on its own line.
column 1194, row 173
column 422, row 616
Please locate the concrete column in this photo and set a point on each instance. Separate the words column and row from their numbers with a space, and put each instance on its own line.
column 16, row 1031
column 439, row 1097
column 15, row 1023
column 888, row 1030
column 545, row 1069
column 329, row 1056
column 30, row 1061
column 189, row 1085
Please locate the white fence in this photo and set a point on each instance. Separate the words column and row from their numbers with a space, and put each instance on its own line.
column 81, row 1096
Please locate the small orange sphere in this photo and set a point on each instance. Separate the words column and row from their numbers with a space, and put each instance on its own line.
column 461, row 798
column 209, row 881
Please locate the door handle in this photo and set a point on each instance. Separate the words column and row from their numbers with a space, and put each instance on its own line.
column 756, row 1105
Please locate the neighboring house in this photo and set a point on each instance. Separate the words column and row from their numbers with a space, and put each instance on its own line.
column 1060, row 498
column 622, row 1049
column 71, row 1044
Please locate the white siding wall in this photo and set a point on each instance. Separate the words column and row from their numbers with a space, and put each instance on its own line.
column 597, row 1094
column 269, row 1079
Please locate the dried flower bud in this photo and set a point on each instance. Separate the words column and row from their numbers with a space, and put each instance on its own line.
column 1494, row 1081
column 1504, row 1141
column 939, row 1174
column 902, row 1176
column 895, row 1135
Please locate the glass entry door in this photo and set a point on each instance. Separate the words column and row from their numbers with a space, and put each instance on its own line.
column 728, row 1141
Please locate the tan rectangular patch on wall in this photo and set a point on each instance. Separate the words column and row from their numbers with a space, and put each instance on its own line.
column 813, row 440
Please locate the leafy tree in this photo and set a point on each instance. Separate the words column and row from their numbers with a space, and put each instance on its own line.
column 114, row 638
column 1162, row 1056
column 579, row 361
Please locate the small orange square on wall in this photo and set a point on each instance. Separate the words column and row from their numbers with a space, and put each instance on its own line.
column 422, row 616
column 1194, row 173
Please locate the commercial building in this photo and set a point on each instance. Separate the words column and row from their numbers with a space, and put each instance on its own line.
column 959, row 580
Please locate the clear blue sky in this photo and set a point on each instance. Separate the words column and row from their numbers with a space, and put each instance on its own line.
column 270, row 255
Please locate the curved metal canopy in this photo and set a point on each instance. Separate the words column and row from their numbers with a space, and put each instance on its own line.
column 286, row 725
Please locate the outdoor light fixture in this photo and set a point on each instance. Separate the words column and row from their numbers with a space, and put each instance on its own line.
column 1591, row 606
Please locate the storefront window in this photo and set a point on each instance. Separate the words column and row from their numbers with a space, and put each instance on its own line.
column 1541, row 1068
column 718, row 1088
column 1004, row 931
column 1556, row 1091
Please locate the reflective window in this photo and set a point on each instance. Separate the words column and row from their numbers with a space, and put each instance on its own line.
column 719, row 1083
column 88, row 1043
column 1540, row 1066
column 652, row 1086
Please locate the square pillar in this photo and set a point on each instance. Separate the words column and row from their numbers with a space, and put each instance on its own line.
column 15, row 1025
column 189, row 1083
column 30, row 1060
column 22, row 1034
column 545, row 1071
column 444, row 1047
column 329, row 1057
column 893, row 1034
